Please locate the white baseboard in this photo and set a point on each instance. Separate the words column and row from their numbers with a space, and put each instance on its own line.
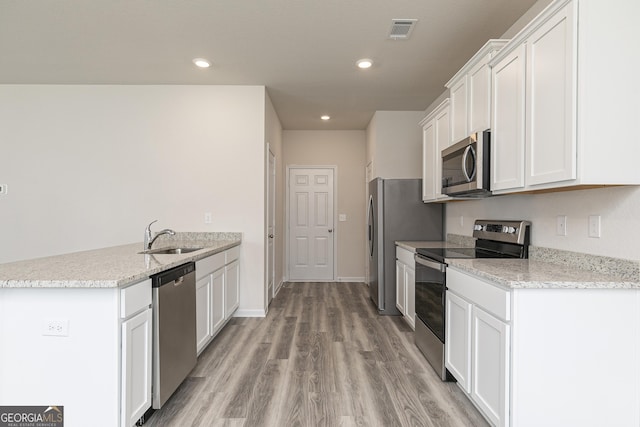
column 249, row 313
column 350, row 279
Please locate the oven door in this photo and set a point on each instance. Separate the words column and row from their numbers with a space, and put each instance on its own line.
column 430, row 294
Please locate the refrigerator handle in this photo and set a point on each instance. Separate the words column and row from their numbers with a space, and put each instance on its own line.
column 370, row 224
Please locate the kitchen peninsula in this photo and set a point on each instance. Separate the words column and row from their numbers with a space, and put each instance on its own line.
column 73, row 325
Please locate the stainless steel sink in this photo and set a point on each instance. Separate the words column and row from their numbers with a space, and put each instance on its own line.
column 166, row 251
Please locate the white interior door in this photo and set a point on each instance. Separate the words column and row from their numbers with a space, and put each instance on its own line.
column 311, row 232
column 271, row 226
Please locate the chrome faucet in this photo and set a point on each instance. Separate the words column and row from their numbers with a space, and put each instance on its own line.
column 149, row 239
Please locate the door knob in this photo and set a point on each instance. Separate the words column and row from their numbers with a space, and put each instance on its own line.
column 271, row 236
column 330, row 230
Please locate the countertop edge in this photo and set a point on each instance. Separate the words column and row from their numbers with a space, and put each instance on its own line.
column 122, row 282
column 486, row 269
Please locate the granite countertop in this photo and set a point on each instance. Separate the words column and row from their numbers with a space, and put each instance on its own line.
column 112, row 267
column 532, row 274
column 453, row 241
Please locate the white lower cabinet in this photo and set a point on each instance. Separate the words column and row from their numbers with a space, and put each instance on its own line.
column 561, row 357
column 203, row 311
column 406, row 285
column 136, row 348
column 477, row 343
column 217, row 293
column 458, row 339
column 490, row 366
column 217, row 301
column 400, row 287
column 231, row 288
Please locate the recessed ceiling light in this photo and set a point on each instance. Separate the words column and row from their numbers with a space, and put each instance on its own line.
column 325, row 117
column 364, row 63
column 201, row 62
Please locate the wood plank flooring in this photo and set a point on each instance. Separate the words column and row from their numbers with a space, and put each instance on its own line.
column 321, row 357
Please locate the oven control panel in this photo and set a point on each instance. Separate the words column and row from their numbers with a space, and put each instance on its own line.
column 504, row 231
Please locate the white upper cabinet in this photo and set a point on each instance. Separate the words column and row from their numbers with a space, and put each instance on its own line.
column 507, row 127
column 435, row 138
column 562, row 115
column 470, row 93
column 459, row 110
column 550, row 82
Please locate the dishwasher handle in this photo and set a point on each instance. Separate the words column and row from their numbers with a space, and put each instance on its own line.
column 173, row 275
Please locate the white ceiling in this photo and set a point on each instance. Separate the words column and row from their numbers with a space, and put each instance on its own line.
column 303, row 51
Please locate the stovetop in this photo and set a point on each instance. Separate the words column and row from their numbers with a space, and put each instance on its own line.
column 494, row 239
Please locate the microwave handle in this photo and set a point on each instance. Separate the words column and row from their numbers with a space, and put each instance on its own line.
column 468, row 176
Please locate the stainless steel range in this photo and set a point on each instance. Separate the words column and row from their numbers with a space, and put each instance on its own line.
column 495, row 239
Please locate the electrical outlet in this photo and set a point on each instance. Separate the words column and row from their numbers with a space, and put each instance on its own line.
column 4, row 189
column 561, row 225
column 594, row 226
column 207, row 217
column 55, row 327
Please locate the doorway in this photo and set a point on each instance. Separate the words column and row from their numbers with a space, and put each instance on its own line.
column 310, row 219
column 271, row 225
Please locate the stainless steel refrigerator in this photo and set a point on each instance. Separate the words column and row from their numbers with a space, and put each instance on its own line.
column 396, row 212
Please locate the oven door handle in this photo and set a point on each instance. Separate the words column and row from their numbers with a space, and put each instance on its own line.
column 431, row 264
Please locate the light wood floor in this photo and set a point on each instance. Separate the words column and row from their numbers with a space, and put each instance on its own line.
column 321, row 357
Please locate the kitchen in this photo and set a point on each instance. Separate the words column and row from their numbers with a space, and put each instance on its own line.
column 92, row 169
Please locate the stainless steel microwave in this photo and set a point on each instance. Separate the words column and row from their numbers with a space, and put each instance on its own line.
column 465, row 167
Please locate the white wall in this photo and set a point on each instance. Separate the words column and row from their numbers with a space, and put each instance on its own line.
column 619, row 208
column 346, row 150
column 90, row 166
column 394, row 144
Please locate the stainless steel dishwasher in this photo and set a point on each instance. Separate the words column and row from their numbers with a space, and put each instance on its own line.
column 174, row 330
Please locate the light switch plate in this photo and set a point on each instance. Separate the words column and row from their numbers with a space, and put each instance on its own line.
column 594, row 226
column 561, row 225
column 342, row 217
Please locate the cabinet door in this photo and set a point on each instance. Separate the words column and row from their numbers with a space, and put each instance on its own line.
column 458, row 339
column 232, row 288
column 459, row 112
column 480, row 96
column 429, row 162
column 410, row 297
column 217, row 300
column 508, row 138
column 136, row 367
column 203, row 312
column 490, row 366
column 551, row 137
column 443, row 140
column 400, row 287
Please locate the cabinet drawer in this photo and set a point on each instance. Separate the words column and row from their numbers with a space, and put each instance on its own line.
column 405, row 256
column 209, row 264
column 491, row 298
column 232, row 254
column 135, row 298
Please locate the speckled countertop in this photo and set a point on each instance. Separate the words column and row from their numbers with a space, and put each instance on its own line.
column 532, row 274
column 112, row 267
column 453, row 241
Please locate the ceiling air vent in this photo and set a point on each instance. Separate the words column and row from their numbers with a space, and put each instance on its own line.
column 401, row 28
